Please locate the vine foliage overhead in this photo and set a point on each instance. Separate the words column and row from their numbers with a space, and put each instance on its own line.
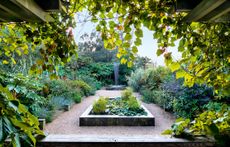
column 204, row 45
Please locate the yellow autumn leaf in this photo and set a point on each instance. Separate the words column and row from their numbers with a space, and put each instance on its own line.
column 180, row 74
column 18, row 52
column 119, row 55
column 7, row 53
column 134, row 49
column 13, row 61
column 26, row 52
column 130, row 64
column 189, row 80
column 174, row 66
column 123, row 61
column 24, row 47
column 5, row 62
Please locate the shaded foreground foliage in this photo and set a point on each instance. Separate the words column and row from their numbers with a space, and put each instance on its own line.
column 200, row 112
column 25, row 97
column 16, row 121
column 204, row 46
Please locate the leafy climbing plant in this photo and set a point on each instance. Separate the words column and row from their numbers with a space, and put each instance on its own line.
column 204, row 46
column 26, row 89
column 211, row 123
column 53, row 42
column 16, row 122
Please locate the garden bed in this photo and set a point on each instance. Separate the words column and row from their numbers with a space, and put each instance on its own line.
column 144, row 118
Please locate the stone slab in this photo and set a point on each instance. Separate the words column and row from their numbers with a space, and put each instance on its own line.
column 54, row 140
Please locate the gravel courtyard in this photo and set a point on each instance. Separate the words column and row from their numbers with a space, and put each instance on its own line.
column 68, row 122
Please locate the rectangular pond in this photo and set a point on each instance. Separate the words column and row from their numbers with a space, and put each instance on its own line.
column 87, row 119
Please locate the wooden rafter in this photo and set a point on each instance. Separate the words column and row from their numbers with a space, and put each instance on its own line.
column 218, row 12
column 9, row 10
column 22, row 10
column 4, row 16
column 53, row 5
column 33, row 8
column 202, row 9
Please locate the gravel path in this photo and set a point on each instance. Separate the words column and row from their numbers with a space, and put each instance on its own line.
column 68, row 122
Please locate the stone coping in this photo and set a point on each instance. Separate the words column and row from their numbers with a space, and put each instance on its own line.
column 86, row 119
column 88, row 110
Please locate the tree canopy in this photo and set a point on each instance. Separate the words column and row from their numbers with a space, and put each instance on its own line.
column 204, row 45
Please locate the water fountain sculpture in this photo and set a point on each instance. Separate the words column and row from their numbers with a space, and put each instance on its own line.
column 116, row 79
column 116, row 72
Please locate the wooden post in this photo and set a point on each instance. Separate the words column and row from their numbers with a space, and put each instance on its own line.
column 42, row 123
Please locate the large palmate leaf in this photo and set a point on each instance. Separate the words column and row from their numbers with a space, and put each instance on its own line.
column 16, row 121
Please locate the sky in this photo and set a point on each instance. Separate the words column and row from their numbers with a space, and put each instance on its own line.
column 147, row 49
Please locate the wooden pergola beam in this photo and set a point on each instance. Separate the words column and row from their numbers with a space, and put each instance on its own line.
column 51, row 6
column 9, row 11
column 224, row 18
column 202, row 9
column 186, row 5
column 4, row 16
column 217, row 13
column 22, row 10
column 31, row 6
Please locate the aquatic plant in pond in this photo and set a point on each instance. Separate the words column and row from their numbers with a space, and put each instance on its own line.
column 99, row 106
column 118, row 106
column 120, row 111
